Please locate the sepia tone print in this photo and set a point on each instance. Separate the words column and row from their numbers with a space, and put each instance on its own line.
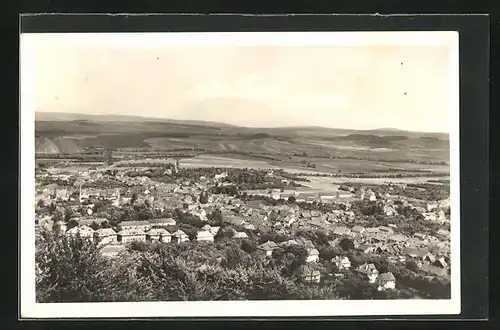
column 241, row 172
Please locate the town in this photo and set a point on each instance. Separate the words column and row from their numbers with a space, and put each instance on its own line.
column 349, row 238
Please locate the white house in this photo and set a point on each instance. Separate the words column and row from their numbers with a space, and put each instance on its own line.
column 159, row 234
column 313, row 256
column 370, row 271
column 130, row 235
column 342, row 262
column 386, row 281
column 179, row 236
column 106, row 236
column 205, row 235
column 358, row 230
column 240, row 234
column 268, row 247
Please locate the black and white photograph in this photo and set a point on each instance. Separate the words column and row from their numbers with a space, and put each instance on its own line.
column 240, row 174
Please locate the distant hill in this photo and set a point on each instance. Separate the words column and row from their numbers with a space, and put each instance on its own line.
column 62, row 116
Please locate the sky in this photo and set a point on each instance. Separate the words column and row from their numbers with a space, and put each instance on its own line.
column 356, row 86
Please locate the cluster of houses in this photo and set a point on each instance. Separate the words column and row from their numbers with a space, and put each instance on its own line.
column 428, row 252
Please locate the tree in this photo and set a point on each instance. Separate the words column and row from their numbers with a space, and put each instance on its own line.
column 203, row 198
column 94, row 225
column 292, row 199
column 133, row 198
column 71, row 223
column 346, row 244
column 412, row 265
column 108, row 158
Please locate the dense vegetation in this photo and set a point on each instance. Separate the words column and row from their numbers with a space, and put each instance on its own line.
column 71, row 269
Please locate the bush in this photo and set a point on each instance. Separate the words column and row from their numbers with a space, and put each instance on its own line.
column 72, row 269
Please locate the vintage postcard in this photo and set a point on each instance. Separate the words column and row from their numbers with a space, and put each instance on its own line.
column 239, row 174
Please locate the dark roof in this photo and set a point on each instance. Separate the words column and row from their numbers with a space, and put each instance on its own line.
column 134, row 223
column 387, row 277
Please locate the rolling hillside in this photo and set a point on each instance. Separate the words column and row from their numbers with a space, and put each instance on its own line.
column 70, row 133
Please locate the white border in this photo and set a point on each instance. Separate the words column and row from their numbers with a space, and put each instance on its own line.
column 31, row 309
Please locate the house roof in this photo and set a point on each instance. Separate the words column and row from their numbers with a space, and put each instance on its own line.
column 240, row 235
column 341, row 230
column 89, row 221
column 357, row 229
column 314, row 252
column 134, row 223
column 367, row 269
column 364, row 247
column 387, row 277
column 131, row 232
column 386, row 229
column 179, row 233
column 268, row 246
column 398, row 237
column 158, row 231
column 432, row 270
column 105, row 232
column 415, row 252
column 372, row 230
column 80, row 230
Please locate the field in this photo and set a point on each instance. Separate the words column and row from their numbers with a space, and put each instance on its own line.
column 297, row 149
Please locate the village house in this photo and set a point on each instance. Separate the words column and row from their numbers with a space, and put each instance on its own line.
column 163, row 222
column 366, row 248
column 240, row 234
column 135, row 225
column 112, row 251
column 358, row 230
column 372, row 231
column 432, row 270
column 397, row 238
column 106, row 236
column 369, row 195
column 441, row 262
column 268, row 247
column 235, row 220
column 386, row 230
column 82, row 231
column 386, row 281
column 341, row 231
column 205, row 235
column 342, row 262
column 129, row 235
column 429, row 257
column 370, row 271
column 179, row 236
column 413, row 252
column 307, row 274
column 158, row 234
column 249, row 226
column 313, row 255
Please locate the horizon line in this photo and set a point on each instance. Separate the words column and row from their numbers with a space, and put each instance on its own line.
column 233, row 125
